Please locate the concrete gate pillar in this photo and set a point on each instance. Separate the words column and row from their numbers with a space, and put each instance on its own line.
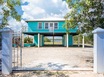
column 98, row 50
column 6, row 50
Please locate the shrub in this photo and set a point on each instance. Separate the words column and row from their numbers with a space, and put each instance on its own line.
column 28, row 40
column 47, row 40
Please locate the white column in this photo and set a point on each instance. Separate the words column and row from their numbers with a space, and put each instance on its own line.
column 38, row 40
column 67, row 40
column 83, row 42
column 6, row 50
column 98, row 50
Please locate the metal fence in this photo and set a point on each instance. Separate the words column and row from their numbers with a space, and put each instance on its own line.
column 17, row 50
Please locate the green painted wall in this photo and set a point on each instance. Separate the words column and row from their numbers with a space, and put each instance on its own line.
column 42, row 40
column 63, row 40
column 33, row 27
column 36, row 40
column 70, row 42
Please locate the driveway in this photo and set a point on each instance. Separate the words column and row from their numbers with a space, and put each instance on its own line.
column 57, row 58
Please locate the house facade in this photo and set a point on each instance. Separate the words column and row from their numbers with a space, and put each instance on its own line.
column 45, row 27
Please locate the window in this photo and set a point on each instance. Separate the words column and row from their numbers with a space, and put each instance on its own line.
column 51, row 25
column 55, row 25
column 46, row 25
column 40, row 25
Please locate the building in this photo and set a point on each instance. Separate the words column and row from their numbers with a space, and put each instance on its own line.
column 40, row 28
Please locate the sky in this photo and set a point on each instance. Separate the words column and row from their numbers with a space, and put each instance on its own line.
column 38, row 9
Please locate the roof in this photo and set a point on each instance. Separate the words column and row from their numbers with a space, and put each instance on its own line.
column 47, row 19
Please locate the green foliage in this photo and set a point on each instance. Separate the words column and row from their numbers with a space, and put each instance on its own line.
column 0, row 39
column 8, row 7
column 88, row 39
column 47, row 40
column 87, row 15
column 28, row 40
column 69, row 23
column 86, row 12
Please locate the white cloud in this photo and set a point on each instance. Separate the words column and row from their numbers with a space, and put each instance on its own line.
column 55, row 1
column 16, row 25
column 37, row 9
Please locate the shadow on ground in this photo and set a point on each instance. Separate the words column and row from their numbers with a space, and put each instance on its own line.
column 37, row 74
column 44, row 66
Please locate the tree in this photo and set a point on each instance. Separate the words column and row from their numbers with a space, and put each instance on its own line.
column 28, row 40
column 88, row 14
column 8, row 9
column 47, row 39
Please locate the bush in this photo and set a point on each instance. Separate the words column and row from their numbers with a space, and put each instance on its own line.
column 47, row 40
column 88, row 39
column 28, row 40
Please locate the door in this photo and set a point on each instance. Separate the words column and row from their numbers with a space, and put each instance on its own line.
column 51, row 27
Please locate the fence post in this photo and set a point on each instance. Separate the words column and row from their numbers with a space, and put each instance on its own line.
column 6, row 50
column 98, row 50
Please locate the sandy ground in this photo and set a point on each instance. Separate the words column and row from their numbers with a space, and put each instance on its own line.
column 57, row 58
column 54, row 74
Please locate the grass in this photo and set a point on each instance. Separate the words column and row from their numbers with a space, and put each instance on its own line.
column 51, row 43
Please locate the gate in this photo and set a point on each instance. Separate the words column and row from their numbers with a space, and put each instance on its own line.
column 17, row 50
